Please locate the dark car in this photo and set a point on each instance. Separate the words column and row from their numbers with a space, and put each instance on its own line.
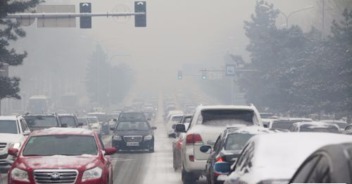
column 329, row 164
column 133, row 135
column 228, row 147
column 41, row 121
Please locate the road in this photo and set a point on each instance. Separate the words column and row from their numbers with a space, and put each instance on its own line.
column 144, row 167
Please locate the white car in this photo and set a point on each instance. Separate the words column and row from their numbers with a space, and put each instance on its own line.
column 13, row 131
column 172, row 121
column 274, row 158
column 207, row 123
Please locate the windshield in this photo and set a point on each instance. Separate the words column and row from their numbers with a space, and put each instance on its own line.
column 126, row 126
column 8, row 126
column 60, row 145
column 236, row 141
column 41, row 121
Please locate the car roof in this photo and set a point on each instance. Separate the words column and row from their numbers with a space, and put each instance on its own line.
column 8, row 117
column 62, row 131
column 284, row 152
column 249, row 130
column 211, row 107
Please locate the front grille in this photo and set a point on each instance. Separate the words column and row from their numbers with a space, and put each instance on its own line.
column 55, row 176
column 133, row 138
column 3, row 145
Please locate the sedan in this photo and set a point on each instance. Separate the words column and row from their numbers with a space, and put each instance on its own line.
column 62, row 155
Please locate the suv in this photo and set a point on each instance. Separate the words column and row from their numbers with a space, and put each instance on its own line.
column 13, row 130
column 62, row 155
column 41, row 121
column 207, row 123
column 69, row 119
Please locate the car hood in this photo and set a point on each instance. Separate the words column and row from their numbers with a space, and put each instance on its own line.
column 59, row 161
column 13, row 138
column 134, row 132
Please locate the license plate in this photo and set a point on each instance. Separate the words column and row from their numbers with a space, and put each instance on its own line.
column 132, row 143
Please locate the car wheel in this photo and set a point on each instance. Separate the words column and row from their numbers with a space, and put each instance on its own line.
column 188, row 177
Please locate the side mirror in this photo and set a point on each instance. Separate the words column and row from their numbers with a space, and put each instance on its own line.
column 112, row 128
column 265, row 125
column 26, row 133
column 205, row 148
column 154, row 128
column 180, row 128
column 222, row 168
column 13, row 152
column 110, row 151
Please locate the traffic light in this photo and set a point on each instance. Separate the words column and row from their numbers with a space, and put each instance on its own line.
column 140, row 20
column 179, row 75
column 85, row 21
column 204, row 74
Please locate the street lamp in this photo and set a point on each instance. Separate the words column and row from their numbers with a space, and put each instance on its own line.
column 287, row 16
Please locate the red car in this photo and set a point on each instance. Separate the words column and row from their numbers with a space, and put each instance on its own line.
column 62, row 155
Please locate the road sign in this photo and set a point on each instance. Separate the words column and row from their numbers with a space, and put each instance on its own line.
column 230, row 70
column 56, row 22
column 85, row 22
column 140, row 20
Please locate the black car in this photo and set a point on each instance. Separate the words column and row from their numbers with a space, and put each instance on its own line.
column 329, row 164
column 41, row 121
column 228, row 147
column 133, row 135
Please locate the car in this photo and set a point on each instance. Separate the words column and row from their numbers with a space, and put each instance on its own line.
column 172, row 121
column 134, row 135
column 228, row 147
column 274, row 158
column 69, row 120
column 284, row 124
column 42, row 121
column 342, row 124
column 83, row 121
column 177, row 143
column 329, row 164
column 314, row 127
column 62, row 155
column 207, row 123
column 13, row 132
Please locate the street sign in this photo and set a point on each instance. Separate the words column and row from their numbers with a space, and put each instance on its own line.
column 230, row 70
column 85, row 22
column 140, row 20
column 56, row 22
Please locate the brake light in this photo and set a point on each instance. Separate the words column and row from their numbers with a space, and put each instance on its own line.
column 193, row 138
column 219, row 159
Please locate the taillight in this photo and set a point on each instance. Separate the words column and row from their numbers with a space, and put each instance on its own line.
column 219, row 159
column 193, row 138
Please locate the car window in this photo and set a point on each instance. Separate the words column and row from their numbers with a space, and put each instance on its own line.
column 60, row 145
column 217, row 145
column 70, row 121
column 125, row 126
column 305, row 170
column 41, row 121
column 321, row 173
column 8, row 126
column 227, row 117
column 236, row 141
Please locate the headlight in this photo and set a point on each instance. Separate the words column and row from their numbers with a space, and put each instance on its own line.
column 148, row 137
column 90, row 174
column 19, row 175
column 116, row 138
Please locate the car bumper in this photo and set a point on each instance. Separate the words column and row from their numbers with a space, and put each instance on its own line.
column 122, row 145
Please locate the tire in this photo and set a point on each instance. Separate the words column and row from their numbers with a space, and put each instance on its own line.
column 188, row 177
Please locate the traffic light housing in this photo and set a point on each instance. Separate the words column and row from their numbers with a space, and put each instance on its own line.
column 179, row 75
column 140, row 20
column 85, row 21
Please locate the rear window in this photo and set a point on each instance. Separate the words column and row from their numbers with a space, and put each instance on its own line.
column 41, row 121
column 70, row 121
column 176, row 118
column 227, row 117
column 8, row 126
column 236, row 141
